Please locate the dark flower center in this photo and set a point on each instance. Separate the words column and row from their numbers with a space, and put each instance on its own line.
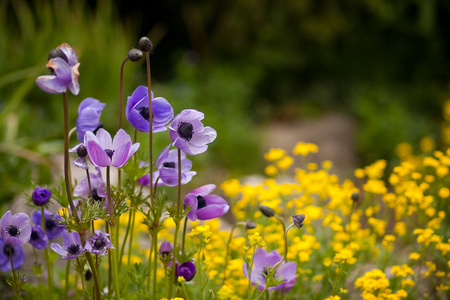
column 201, row 202
column 109, row 152
column 169, row 164
column 13, row 230
column 81, row 151
column 186, row 131
column 99, row 243
column 144, row 112
column 8, row 250
column 95, row 195
column 73, row 248
column 50, row 224
column 57, row 53
column 34, row 235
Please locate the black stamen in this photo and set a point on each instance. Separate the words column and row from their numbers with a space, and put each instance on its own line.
column 50, row 224
column 13, row 230
column 99, row 244
column 169, row 164
column 201, row 202
column 144, row 112
column 95, row 195
column 34, row 235
column 73, row 248
column 109, row 152
column 186, row 131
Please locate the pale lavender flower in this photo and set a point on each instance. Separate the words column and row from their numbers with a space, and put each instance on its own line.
column 137, row 111
column 105, row 152
column 64, row 65
column 98, row 244
column 188, row 133
column 89, row 113
column 204, row 206
column 262, row 261
column 15, row 229
column 71, row 247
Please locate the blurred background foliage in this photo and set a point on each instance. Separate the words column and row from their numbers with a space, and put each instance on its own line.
column 246, row 64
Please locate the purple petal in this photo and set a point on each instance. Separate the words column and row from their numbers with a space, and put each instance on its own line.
column 74, row 86
column 120, row 155
column 212, row 211
column 104, row 139
column 97, row 155
column 69, row 52
column 120, row 138
column 205, row 137
column 214, row 199
column 203, row 190
column 163, row 156
column 51, row 84
column 58, row 249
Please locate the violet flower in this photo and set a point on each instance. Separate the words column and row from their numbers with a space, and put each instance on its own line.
column 105, row 152
column 186, row 270
column 167, row 165
column 97, row 186
column 165, row 249
column 15, row 229
column 137, row 111
column 18, row 256
column 205, row 206
column 98, row 244
column 53, row 228
column 40, row 196
column 38, row 238
column 71, row 247
column 88, row 119
column 81, row 151
column 263, row 260
column 64, row 65
column 188, row 133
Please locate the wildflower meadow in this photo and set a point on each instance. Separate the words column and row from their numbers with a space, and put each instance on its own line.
column 129, row 229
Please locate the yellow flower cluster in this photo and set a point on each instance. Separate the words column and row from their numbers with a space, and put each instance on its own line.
column 375, row 286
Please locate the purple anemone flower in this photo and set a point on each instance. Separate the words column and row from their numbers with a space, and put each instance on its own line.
column 17, row 252
column 167, row 165
column 186, row 270
column 38, row 238
column 71, row 247
column 15, row 229
column 137, row 111
column 188, row 133
column 98, row 244
column 81, row 151
column 64, row 65
column 263, row 260
column 53, row 228
column 205, row 206
column 40, row 196
column 105, row 152
column 88, row 119
column 97, row 186
column 165, row 249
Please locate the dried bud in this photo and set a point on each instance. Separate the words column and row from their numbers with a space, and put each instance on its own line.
column 135, row 55
column 298, row 220
column 57, row 53
column 81, row 151
column 355, row 197
column 267, row 211
column 250, row 225
column 145, row 44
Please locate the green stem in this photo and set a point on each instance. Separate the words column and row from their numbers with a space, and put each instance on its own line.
column 249, row 271
column 174, row 280
column 155, row 259
column 184, row 236
column 15, row 285
column 95, row 274
column 66, row 291
column 149, row 266
column 124, row 242
column 47, row 257
column 262, row 293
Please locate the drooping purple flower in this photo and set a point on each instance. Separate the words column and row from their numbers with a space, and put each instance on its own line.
column 38, row 238
column 188, row 133
column 298, row 220
column 97, row 186
column 88, row 119
column 18, row 256
column 81, row 151
column 53, row 228
column 263, row 260
column 71, row 246
column 205, row 206
column 104, row 152
column 98, row 244
column 186, row 270
column 15, row 229
column 64, row 65
column 137, row 111
column 40, row 196
column 167, row 169
column 165, row 249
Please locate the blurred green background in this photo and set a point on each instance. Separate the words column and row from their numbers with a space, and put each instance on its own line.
column 245, row 64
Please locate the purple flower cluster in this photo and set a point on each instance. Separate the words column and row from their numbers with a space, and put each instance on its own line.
column 98, row 244
column 15, row 231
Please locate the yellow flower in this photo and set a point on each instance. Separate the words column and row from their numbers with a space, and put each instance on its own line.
column 402, row 271
column 406, row 283
column 333, row 298
column 305, row 148
column 414, row 256
column 274, row 154
column 427, row 144
column 256, row 240
column 271, row 170
column 359, row 173
column 285, row 162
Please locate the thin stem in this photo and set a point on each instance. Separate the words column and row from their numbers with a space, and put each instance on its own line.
column 81, row 275
column 94, row 273
column 155, row 259
column 150, row 113
column 121, row 91
column 130, row 242
column 66, row 158
column 262, row 293
column 184, row 236
column 249, row 271
column 124, row 242
column 66, row 291
column 149, row 265
column 47, row 257
column 177, row 228
column 224, row 271
column 16, row 290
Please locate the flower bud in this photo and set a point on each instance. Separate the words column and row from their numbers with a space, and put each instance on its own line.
column 40, row 196
column 135, row 55
column 250, row 225
column 298, row 220
column 145, row 44
column 165, row 249
column 267, row 211
column 88, row 275
column 81, row 151
column 355, row 197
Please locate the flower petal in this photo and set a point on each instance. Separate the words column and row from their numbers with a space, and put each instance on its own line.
column 120, row 156
column 212, row 211
column 104, row 139
column 97, row 155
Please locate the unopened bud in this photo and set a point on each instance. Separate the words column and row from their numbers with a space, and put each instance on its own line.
column 82, row 151
column 145, row 44
column 267, row 211
column 355, row 197
column 57, row 53
column 298, row 220
column 250, row 225
column 135, row 55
